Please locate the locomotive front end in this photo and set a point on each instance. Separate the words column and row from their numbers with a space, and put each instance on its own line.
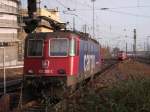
column 51, row 57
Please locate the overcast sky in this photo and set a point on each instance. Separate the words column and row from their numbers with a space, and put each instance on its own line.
column 111, row 25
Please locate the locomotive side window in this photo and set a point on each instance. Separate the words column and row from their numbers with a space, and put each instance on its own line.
column 59, row 47
column 35, row 48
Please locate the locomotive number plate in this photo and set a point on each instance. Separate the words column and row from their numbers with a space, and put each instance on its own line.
column 46, row 71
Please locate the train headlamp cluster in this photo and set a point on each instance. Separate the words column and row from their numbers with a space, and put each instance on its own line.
column 30, row 71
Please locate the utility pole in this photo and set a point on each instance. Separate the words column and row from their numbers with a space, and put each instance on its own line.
column 144, row 46
column 148, row 43
column 126, row 41
column 73, row 23
column 126, row 47
column 93, row 18
column 134, row 46
column 85, row 28
column 4, row 72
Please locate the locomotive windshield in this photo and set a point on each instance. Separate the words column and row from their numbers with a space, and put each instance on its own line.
column 35, row 48
column 59, row 47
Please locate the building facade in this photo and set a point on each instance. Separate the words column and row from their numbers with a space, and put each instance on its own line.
column 9, row 11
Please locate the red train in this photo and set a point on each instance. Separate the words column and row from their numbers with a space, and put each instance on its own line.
column 121, row 55
column 60, row 58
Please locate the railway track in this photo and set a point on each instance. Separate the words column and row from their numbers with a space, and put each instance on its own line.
column 11, row 86
column 109, row 64
column 11, row 98
column 143, row 60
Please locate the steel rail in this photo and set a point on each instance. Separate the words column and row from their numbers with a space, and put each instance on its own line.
column 11, row 86
column 143, row 60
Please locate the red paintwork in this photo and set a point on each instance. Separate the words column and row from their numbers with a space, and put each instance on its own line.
column 55, row 63
column 70, row 64
column 122, row 55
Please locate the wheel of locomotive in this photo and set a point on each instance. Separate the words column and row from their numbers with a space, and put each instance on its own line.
column 54, row 92
column 45, row 89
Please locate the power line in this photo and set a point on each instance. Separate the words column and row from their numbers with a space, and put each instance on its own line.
column 78, row 17
column 127, row 13
column 81, row 3
column 109, row 9
column 128, row 7
column 62, row 4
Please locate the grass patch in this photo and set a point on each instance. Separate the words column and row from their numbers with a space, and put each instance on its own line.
column 128, row 96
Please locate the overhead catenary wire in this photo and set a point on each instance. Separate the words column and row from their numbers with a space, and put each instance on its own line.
column 79, row 3
column 127, row 7
column 88, row 25
column 128, row 13
column 73, row 14
column 69, row 9
column 87, row 5
column 111, row 10
column 66, row 7
column 130, row 7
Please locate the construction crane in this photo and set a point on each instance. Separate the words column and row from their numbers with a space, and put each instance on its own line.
column 39, row 19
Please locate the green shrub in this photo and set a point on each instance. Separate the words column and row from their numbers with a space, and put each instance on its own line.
column 129, row 96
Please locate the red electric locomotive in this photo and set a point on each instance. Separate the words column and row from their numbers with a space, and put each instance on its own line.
column 122, row 55
column 60, row 58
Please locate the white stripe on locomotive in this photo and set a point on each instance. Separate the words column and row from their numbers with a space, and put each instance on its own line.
column 89, row 63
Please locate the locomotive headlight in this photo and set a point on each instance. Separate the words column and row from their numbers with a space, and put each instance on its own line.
column 30, row 71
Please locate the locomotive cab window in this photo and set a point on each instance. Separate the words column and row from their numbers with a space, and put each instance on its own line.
column 59, row 47
column 35, row 48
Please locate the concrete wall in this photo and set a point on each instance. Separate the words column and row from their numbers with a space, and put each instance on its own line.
column 8, row 20
column 8, row 6
column 9, row 31
column 10, row 55
column 9, row 2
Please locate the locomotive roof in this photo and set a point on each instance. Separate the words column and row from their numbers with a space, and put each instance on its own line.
column 41, row 35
